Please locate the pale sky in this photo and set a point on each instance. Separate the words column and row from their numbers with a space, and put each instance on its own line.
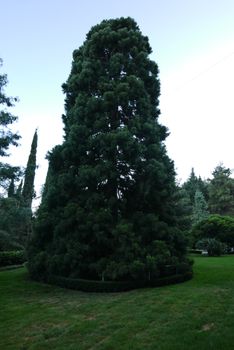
column 193, row 45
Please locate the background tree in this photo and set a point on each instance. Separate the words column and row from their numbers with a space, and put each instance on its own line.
column 28, row 188
column 15, row 217
column 7, row 137
column 108, row 207
column 221, row 191
column 183, row 209
column 200, row 208
column 194, row 183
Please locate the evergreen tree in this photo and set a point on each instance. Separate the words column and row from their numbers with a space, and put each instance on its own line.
column 183, row 210
column 18, row 193
column 11, row 189
column 193, row 184
column 200, row 209
column 221, row 191
column 108, row 207
column 28, row 188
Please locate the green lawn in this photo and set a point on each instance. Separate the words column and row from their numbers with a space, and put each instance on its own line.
column 198, row 314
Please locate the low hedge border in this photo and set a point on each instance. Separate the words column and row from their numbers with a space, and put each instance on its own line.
column 8, row 258
column 11, row 267
column 113, row 286
column 195, row 251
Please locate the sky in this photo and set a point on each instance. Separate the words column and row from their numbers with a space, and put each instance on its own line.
column 192, row 43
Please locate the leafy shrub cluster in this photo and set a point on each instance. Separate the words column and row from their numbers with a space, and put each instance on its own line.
column 12, row 258
column 214, row 233
column 218, row 227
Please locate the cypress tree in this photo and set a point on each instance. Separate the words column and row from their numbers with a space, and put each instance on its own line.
column 28, row 188
column 11, row 189
column 107, row 210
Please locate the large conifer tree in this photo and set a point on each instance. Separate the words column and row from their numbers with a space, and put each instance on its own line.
column 107, row 210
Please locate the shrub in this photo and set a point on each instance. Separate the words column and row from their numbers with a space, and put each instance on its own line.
column 215, row 226
column 12, row 258
column 213, row 246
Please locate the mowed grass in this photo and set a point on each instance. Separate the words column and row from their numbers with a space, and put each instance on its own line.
column 198, row 314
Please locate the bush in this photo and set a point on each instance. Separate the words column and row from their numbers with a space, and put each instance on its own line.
column 12, row 258
column 215, row 226
column 213, row 246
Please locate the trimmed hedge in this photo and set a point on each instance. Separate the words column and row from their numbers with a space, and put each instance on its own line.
column 8, row 258
column 195, row 251
column 113, row 286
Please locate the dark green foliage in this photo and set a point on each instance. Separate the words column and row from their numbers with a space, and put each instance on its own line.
column 14, row 220
column 212, row 245
column 16, row 257
column 7, row 242
column 221, row 192
column 28, row 188
column 216, row 226
column 108, row 207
